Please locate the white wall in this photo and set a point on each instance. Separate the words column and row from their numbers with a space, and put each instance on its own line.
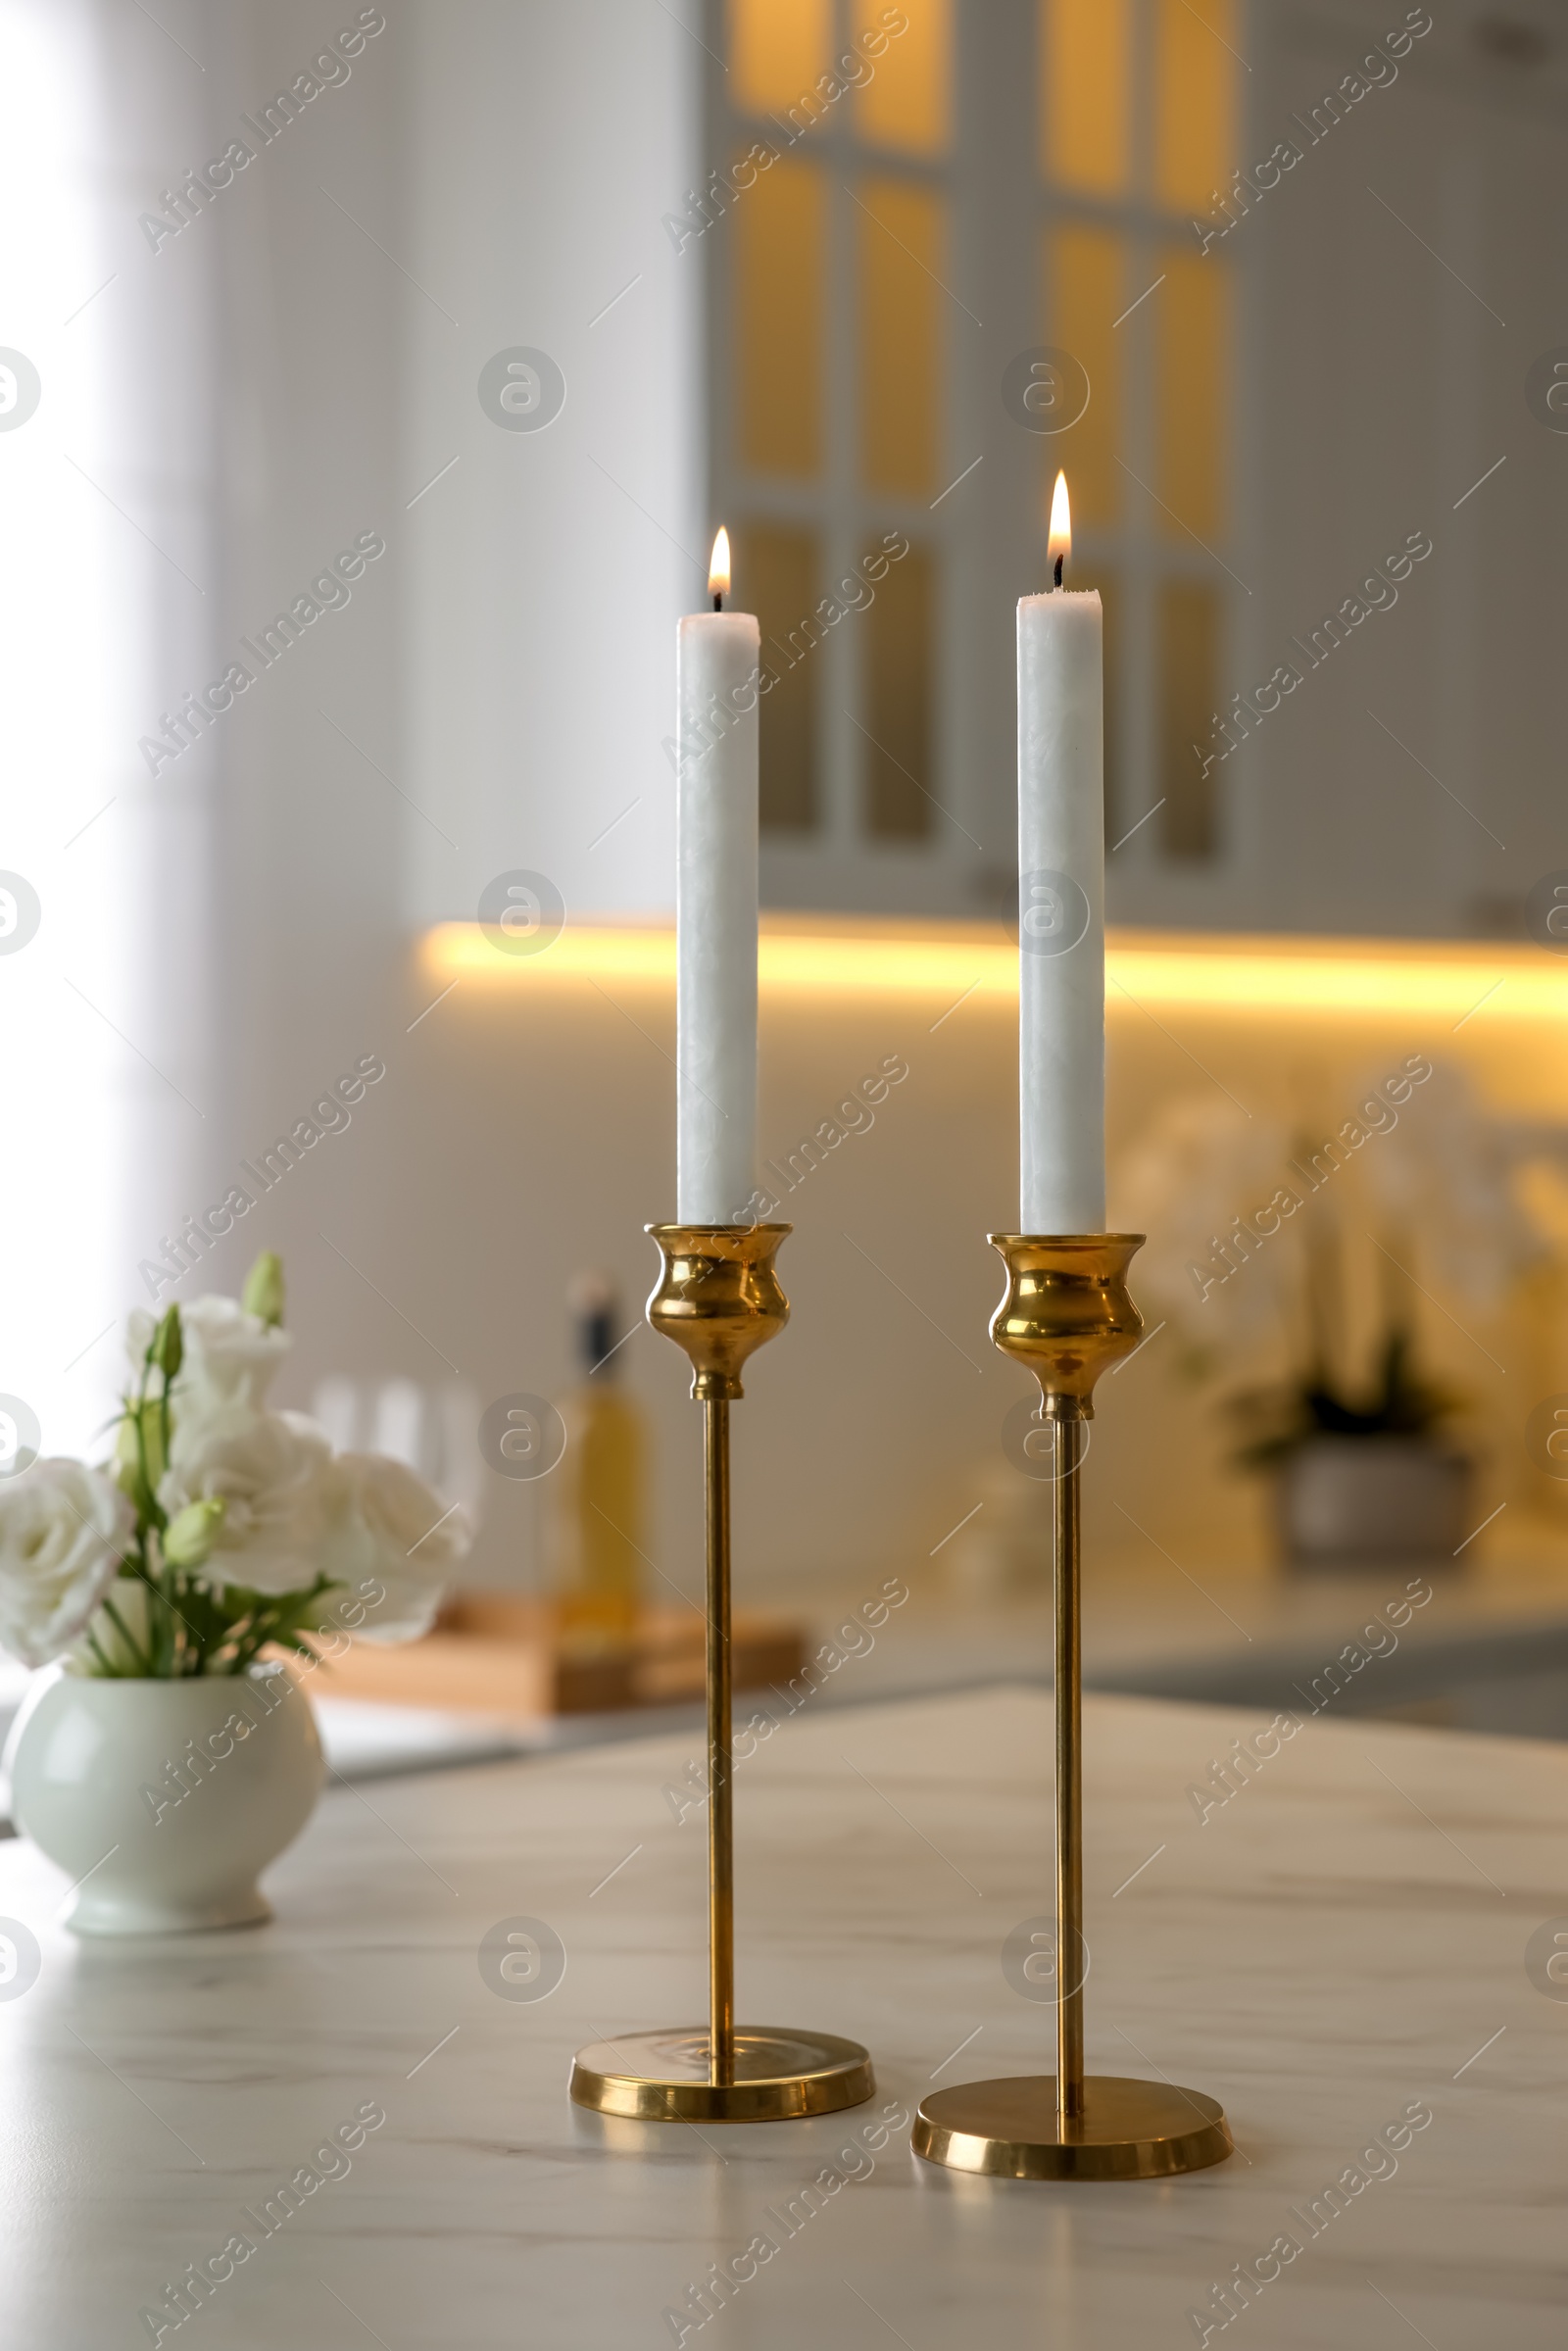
column 496, row 688
column 544, row 575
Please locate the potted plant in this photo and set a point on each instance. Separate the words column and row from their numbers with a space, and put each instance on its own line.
column 171, row 1752
column 1281, row 1254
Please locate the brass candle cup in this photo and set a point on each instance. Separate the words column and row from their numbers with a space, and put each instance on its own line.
column 720, row 1298
column 1067, row 1313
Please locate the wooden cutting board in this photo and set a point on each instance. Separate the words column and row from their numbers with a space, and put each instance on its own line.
column 491, row 1654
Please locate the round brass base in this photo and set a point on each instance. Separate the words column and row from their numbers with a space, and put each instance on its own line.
column 663, row 2077
column 1130, row 2129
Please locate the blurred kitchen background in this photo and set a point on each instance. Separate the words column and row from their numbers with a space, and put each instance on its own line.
column 1309, row 411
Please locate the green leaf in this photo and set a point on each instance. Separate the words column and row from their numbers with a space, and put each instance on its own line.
column 1275, row 1421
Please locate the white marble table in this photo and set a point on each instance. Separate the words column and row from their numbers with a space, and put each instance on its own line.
column 1344, row 1940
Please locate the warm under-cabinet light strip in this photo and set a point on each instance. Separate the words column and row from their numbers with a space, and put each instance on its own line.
column 1202, row 971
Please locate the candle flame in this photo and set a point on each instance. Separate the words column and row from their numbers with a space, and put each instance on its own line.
column 718, row 567
column 1059, row 542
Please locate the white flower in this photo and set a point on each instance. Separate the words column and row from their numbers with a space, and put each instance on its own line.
column 64, row 1530
column 231, row 1356
column 1200, row 1164
column 271, row 1471
column 388, row 1527
column 1443, row 1181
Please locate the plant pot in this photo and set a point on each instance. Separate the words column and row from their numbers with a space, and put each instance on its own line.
column 164, row 1800
column 1360, row 1501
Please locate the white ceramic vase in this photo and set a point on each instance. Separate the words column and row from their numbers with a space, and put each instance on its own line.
column 164, row 1800
column 1348, row 1501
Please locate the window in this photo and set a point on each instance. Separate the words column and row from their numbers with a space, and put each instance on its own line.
column 101, row 509
column 857, row 394
column 1129, row 291
column 781, row 566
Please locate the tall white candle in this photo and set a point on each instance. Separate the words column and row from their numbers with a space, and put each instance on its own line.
column 1061, row 905
column 716, row 662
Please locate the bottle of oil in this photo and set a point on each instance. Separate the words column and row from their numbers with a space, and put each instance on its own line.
column 599, row 1529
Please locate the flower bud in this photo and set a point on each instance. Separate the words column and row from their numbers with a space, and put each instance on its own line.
column 191, row 1533
column 263, row 1294
column 168, row 1350
column 129, row 1456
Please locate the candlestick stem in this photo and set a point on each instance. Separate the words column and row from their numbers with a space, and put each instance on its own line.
column 1067, row 1455
column 720, row 1761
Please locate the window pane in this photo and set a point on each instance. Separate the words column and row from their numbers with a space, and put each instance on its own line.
column 900, row 667
column 1195, row 100
column 905, row 102
column 777, row 48
column 779, row 228
column 1191, row 388
column 776, row 574
column 1189, row 691
column 899, row 232
column 1084, row 60
column 1085, row 293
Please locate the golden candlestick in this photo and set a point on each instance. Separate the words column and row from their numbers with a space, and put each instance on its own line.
column 1067, row 1314
column 720, row 1298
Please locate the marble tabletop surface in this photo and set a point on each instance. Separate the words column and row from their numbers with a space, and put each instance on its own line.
column 1345, row 1942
